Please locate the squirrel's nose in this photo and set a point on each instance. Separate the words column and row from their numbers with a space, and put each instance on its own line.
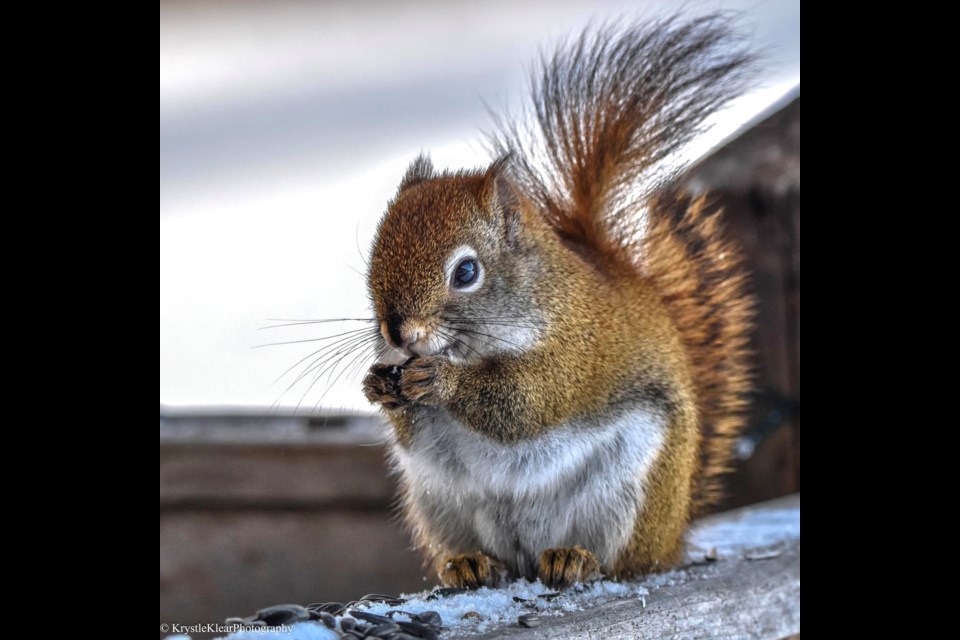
column 398, row 333
column 390, row 328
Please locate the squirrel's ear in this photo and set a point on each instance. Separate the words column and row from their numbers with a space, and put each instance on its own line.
column 419, row 170
column 498, row 194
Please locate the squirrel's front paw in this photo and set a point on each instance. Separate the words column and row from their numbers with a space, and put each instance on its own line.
column 427, row 380
column 382, row 385
column 472, row 571
column 563, row 567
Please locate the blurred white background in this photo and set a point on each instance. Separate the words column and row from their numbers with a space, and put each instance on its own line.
column 284, row 129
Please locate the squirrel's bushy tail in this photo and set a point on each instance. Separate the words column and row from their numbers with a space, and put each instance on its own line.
column 701, row 279
column 608, row 110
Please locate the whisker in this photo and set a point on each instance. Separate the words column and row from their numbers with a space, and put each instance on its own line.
column 313, row 382
column 315, row 363
column 457, row 341
column 297, row 363
column 350, row 335
column 332, row 351
column 487, row 335
column 324, row 360
column 336, row 335
column 501, row 323
column 362, row 363
column 513, row 321
column 356, row 351
column 359, row 356
column 354, row 269
column 320, row 319
column 363, row 257
column 490, row 318
column 293, row 322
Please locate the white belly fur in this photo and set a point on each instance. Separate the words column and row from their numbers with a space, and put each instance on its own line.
column 578, row 484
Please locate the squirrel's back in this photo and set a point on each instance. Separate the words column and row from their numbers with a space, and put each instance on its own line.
column 607, row 112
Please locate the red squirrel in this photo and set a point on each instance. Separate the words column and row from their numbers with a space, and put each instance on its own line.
column 568, row 345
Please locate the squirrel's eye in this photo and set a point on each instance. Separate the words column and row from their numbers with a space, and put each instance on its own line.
column 465, row 273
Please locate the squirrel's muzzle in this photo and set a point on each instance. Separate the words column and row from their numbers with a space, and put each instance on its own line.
column 403, row 334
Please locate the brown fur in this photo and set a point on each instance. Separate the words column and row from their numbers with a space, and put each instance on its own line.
column 656, row 313
column 701, row 279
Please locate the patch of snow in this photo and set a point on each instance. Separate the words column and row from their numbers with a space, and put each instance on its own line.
column 497, row 606
column 752, row 529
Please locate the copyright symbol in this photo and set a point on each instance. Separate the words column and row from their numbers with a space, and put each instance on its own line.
column 164, row 628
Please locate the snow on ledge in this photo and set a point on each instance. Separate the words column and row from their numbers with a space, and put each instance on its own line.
column 736, row 534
